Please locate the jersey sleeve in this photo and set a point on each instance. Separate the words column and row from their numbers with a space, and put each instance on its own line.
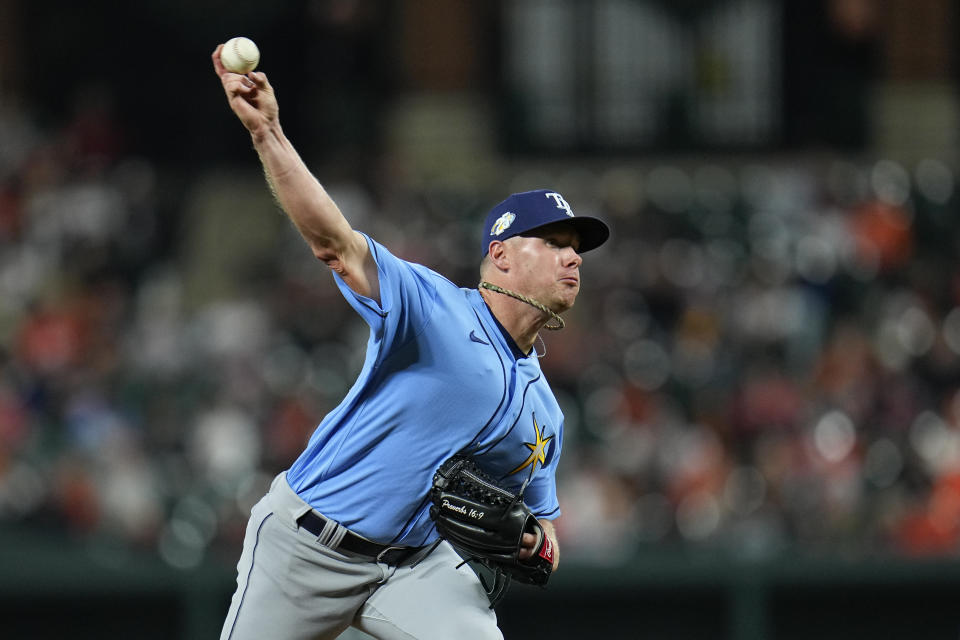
column 407, row 296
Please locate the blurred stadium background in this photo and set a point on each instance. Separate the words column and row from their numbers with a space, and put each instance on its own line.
column 761, row 377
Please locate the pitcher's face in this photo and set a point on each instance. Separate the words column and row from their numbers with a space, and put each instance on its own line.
column 548, row 265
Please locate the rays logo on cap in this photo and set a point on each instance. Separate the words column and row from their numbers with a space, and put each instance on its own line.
column 561, row 203
column 503, row 223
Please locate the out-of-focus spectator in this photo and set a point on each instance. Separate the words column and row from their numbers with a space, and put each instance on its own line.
column 770, row 357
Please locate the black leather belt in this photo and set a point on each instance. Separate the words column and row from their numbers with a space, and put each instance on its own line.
column 389, row 554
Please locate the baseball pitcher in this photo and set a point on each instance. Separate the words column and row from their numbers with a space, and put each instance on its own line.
column 431, row 486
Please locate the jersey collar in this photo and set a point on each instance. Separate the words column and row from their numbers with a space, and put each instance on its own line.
column 514, row 349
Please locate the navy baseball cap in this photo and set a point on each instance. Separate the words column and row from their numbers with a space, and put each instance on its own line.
column 528, row 210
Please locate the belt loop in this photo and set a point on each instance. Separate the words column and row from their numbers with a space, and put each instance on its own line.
column 329, row 531
column 336, row 536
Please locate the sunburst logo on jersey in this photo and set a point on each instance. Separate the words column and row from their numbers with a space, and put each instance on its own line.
column 538, row 450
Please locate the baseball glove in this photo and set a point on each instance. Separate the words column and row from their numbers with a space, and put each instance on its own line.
column 486, row 523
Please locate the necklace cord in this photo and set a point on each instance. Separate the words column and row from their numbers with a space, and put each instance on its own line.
column 542, row 344
column 530, row 301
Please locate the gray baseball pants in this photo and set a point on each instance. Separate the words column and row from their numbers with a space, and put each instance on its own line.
column 292, row 587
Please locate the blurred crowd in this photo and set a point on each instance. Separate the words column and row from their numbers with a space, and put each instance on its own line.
column 764, row 358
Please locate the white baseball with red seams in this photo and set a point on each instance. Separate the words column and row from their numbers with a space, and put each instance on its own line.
column 240, row 55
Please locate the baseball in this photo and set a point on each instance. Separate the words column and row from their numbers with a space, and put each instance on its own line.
column 240, row 55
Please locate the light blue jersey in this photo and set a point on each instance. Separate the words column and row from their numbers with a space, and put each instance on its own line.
column 440, row 376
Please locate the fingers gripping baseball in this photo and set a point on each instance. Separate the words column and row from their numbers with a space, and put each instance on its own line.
column 250, row 96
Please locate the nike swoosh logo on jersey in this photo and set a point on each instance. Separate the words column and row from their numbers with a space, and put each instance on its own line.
column 475, row 338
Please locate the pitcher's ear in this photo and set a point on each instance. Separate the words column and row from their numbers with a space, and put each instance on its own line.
column 498, row 255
